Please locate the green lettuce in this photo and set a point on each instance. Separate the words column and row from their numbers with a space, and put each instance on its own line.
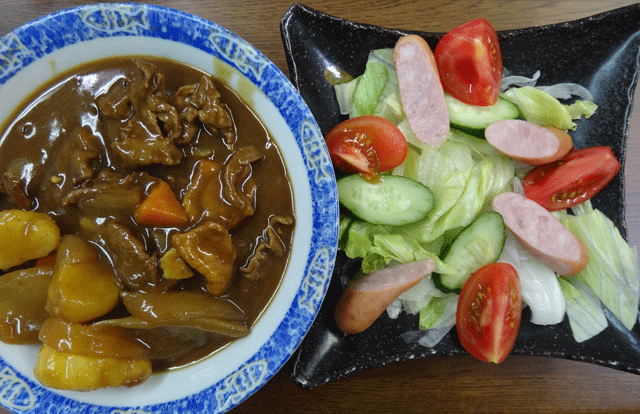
column 379, row 245
column 397, row 247
column 584, row 309
column 375, row 92
column 582, row 108
column 463, row 175
column 612, row 272
column 358, row 242
column 440, row 312
column 541, row 108
column 389, row 104
column 502, row 167
column 369, row 88
column 344, row 95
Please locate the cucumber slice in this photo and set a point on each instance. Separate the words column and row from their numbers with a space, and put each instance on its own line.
column 394, row 200
column 471, row 117
column 479, row 244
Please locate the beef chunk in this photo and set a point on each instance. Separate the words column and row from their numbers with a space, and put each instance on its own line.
column 201, row 104
column 135, row 268
column 150, row 123
column 140, row 146
column 110, row 189
column 237, row 186
column 233, row 181
column 269, row 242
column 13, row 187
column 71, row 166
column 209, row 249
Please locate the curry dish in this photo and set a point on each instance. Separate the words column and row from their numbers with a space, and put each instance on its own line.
column 146, row 219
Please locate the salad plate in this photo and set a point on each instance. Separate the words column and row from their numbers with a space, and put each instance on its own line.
column 600, row 52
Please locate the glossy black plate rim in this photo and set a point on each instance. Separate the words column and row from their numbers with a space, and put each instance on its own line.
column 326, row 355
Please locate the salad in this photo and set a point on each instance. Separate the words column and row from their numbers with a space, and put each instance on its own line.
column 427, row 196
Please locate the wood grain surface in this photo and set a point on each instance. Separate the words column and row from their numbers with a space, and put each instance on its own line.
column 448, row 385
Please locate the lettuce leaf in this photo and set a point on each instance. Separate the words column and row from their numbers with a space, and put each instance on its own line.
column 344, row 95
column 463, row 174
column 397, row 247
column 384, row 56
column 447, row 183
column 441, row 311
column 437, row 318
column 584, row 309
column 390, row 104
column 470, row 203
column 415, row 299
column 539, row 107
column 369, row 88
column 502, row 167
column 612, row 273
column 582, row 108
column 375, row 92
column 358, row 242
column 379, row 245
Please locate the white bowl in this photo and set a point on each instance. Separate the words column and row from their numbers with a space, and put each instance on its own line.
column 38, row 51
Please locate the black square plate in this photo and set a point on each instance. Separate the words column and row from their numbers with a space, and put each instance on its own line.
column 600, row 52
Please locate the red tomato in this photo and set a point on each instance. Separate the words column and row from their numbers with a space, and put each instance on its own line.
column 366, row 145
column 575, row 178
column 470, row 63
column 489, row 312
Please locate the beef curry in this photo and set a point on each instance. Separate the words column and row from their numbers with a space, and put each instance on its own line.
column 146, row 220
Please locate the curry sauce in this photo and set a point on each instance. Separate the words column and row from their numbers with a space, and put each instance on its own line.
column 163, row 184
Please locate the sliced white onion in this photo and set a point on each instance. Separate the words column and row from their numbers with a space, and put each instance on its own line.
column 510, row 81
column 567, row 91
column 539, row 285
column 428, row 338
column 413, row 299
column 394, row 309
column 433, row 336
column 517, row 185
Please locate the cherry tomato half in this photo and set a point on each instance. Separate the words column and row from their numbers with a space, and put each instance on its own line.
column 470, row 63
column 489, row 312
column 575, row 178
column 367, row 145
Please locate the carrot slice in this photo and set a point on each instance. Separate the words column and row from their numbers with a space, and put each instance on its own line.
column 161, row 208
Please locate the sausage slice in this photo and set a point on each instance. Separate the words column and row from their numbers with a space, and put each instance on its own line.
column 528, row 142
column 421, row 92
column 542, row 234
column 365, row 300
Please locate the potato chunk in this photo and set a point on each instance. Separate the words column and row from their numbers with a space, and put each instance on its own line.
column 209, row 249
column 75, row 338
column 174, row 267
column 83, row 288
column 66, row 371
column 25, row 235
column 23, row 295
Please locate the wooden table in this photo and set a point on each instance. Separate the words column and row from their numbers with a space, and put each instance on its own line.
column 457, row 384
